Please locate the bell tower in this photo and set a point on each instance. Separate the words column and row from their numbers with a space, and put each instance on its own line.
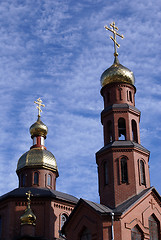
column 123, row 169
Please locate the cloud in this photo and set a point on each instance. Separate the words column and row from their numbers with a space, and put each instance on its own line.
column 57, row 50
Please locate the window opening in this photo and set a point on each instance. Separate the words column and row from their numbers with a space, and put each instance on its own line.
column 86, row 235
column 105, row 173
column 134, row 131
column 142, row 172
column 120, row 93
column 34, row 140
column 130, row 96
column 108, row 97
column 136, row 234
column 64, row 217
column 122, row 129
column 23, row 180
column 109, row 131
column 127, row 96
column 42, row 141
column 124, row 174
column 36, row 178
column 153, row 228
column 49, row 180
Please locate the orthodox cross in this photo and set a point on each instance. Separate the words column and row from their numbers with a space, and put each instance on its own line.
column 29, row 197
column 39, row 103
column 114, row 30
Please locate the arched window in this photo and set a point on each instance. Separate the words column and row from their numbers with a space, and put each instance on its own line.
column 49, row 180
column 142, row 172
column 134, row 131
column 153, row 228
column 127, row 96
column 124, row 173
column 122, row 129
column 105, row 173
column 86, row 235
column 130, row 96
column 36, row 178
column 109, row 131
column 108, row 97
column 23, row 180
column 120, row 93
column 64, row 217
column 136, row 233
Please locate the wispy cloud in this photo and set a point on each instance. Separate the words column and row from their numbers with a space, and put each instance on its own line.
column 57, row 50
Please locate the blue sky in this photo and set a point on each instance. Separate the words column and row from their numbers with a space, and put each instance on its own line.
column 57, row 50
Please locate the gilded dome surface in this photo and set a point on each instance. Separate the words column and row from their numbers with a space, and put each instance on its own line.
column 117, row 73
column 28, row 217
column 37, row 157
column 38, row 129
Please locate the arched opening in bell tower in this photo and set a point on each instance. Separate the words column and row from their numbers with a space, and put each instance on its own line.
column 105, row 165
column 142, row 172
column 124, row 171
column 109, row 131
column 121, row 129
column 134, row 131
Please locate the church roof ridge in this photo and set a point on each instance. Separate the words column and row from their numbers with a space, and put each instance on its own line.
column 39, row 192
column 98, row 207
column 123, row 207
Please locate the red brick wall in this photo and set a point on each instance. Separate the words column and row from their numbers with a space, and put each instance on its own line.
column 47, row 217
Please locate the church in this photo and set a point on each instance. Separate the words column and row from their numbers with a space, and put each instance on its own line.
column 129, row 208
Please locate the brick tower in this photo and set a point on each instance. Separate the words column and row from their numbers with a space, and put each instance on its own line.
column 129, row 208
column 123, row 162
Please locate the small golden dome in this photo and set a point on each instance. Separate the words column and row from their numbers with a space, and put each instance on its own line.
column 117, row 73
column 28, row 217
column 38, row 157
column 38, row 129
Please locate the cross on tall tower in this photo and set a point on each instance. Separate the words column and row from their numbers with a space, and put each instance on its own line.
column 113, row 29
column 39, row 103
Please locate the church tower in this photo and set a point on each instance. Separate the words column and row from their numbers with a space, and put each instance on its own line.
column 37, row 171
column 38, row 167
column 123, row 169
column 129, row 208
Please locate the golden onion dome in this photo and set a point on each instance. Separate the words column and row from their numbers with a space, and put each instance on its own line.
column 38, row 129
column 28, row 217
column 117, row 73
column 38, row 157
